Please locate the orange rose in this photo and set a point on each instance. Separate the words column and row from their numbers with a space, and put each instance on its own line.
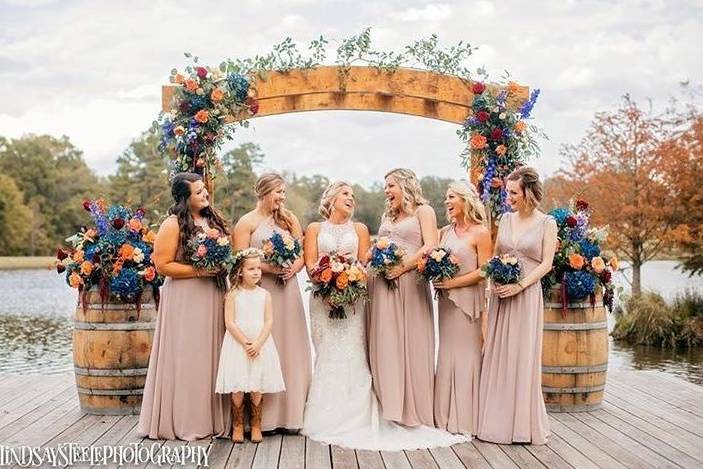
column 576, row 261
column 126, row 251
column 191, row 85
column 326, row 275
column 201, row 116
column 520, row 127
column 75, row 280
column 78, row 256
column 598, row 264
column 149, row 237
column 513, row 88
column 86, row 267
column 135, row 224
column 179, row 78
column 267, row 247
column 478, row 142
column 501, row 149
column 149, row 274
column 613, row 263
column 342, row 281
column 102, row 205
column 179, row 130
column 217, row 95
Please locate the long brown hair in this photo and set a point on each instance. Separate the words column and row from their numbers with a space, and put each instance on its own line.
column 180, row 191
column 267, row 183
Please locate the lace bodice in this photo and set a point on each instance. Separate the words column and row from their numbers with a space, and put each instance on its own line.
column 340, row 238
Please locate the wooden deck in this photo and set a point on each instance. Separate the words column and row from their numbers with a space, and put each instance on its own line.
column 648, row 419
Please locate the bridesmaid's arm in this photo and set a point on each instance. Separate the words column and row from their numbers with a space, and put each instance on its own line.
column 268, row 324
column 428, row 226
column 362, row 232
column 299, row 263
column 310, row 246
column 483, row 249
column 165, row 248
column 230, row 324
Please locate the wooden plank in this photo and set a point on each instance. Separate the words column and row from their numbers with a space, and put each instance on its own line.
column 521, row 457
column 343, row 458
column 672, row 454
column 25, row 391
column 219, row 453
column 568, row 453
column 268, row 452
column 662, row 389
column 421, row 459
column 55, row 422
column 470, row 456
column 317, row 454
column 445, row 458
column 242, row 455
column 34, row 400
column 583, row 444
column 369, row 459
column 547, row 456
column 395, row 460
column 67, row 396
column 293, row 452
column 494, row 455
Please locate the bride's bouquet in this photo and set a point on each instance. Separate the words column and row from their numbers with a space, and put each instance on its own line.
column 211, row 251
column 438, row 264
column 340, row 281
column 384, row 256
column 281, row 250
column 503, row 269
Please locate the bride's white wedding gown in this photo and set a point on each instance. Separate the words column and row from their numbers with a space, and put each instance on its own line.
column 342, row 408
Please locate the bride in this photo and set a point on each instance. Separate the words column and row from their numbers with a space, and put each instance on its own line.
column 341, row 408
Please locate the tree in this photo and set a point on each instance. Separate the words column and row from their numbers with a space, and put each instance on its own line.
column 15, row 219
column 370, row 204
column 434, row 189
column 234, row 186
column 619, row 165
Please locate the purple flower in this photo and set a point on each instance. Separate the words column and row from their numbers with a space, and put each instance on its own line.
column 527, row 106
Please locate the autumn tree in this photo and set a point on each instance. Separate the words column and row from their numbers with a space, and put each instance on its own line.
column 619, row 165
column 15, row 218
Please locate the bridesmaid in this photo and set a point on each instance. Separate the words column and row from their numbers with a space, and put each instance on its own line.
column 401, row 329
column 179, row 395
column 282, row 410
column 511, row 405
column 461, row 313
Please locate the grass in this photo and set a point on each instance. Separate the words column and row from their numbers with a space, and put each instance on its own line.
column 14, row 263
column 649, row 320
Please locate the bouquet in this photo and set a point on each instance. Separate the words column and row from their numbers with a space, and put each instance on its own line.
column 211, row 251
column 114, row 254
column 503, row 269
column 438, row 264
column 281, row 250
column 580, row 268
column 384, row 256
column 340, row 281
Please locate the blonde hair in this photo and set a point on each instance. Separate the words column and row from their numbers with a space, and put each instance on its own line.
column 473, row 207
column 411, row 190
column 235, row 275
column 327, row 199
column 267, row 183
column 530, row 184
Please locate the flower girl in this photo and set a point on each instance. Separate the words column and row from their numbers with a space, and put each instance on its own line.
column 249, row 359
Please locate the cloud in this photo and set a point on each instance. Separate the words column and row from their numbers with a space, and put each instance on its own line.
column 432, row 12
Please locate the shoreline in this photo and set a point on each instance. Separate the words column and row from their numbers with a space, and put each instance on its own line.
column 27, row 262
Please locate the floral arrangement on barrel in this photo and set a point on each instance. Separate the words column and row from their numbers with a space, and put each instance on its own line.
column 340, row 281
column 580, row 268
column 114, row 255
column 385, row 255
column 281, row 250
column 195, row 128
column 211, row 251
column 438, row 264
column 500, row 138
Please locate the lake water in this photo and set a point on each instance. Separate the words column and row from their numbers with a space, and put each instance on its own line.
column 36, row 308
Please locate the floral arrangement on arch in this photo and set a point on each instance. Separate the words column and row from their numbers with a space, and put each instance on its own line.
column 580, row 268
column 501, row 139
column 114, row 254
column 197, row 125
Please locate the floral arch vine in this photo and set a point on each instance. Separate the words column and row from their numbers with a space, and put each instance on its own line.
column 202, row 106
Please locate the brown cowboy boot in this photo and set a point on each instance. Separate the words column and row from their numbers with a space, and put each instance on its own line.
column 238, row 423
column 256, row 410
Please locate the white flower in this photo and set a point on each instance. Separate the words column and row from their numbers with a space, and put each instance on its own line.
column 201, row 235
column 438, row 255
column 222, row 241
column 502, row 115
column 138, row 255
column 337, row 267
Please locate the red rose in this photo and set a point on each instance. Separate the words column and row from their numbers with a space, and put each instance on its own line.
column 60, row 268
column 202, row 72
column 61, row 254
column 497, row 134
column 86, row 205
column 581, row 204
column 118, row 223
column 571, row 221
column 482, row 116
column 478, row 87
column 253, row 105
column 606, row 276
column 183, row 106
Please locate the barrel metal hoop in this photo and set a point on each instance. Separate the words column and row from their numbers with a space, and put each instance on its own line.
column 110, row 392
column 113, row 326
column 573, row 408
column 586, row 326
column 115, row 373
column 119, row 306
column 571, row 305
column 584, row 389
column 575, row 369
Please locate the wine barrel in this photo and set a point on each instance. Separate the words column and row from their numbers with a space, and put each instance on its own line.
column 574, row 354
column 111, row 347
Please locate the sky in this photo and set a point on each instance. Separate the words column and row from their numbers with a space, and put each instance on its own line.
column 93, row 70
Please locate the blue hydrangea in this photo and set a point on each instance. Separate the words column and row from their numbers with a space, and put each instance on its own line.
column 197, row 103
column 239, row 86
column 560, row 215
column 90, row 250
column 579, row 284
column 125, row 284
column 117, row 211
column 589, row 249
column 112, row 240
